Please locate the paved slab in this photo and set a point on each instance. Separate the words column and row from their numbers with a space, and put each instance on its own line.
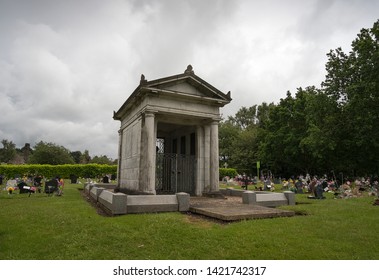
column 232, row 209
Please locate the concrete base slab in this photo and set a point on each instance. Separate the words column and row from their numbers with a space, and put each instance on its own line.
column 232, row 210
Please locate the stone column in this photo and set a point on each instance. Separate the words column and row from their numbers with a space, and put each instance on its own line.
column 214, row 158
column 199, row 160
column 207, row 143
column 150, row 152
column 120, row 136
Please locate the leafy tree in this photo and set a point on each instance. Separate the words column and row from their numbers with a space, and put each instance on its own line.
column 228, row 133
column 245, row 148
column 352, row 81
column 85, row 157
column 245, row 117
column 263, row 114
column 285, row 129
column 76, row 156
column 8, row 152
column 238, row 137
column 101, row 160
column 50, row 153
column 319, row 144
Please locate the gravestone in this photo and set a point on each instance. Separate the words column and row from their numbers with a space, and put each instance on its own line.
column 37, row 181
column 106, row 179
column 11, row 183
column 74, row 179
column 299, row 187
column 51, row 186
column 319, row 192
column 23, row 187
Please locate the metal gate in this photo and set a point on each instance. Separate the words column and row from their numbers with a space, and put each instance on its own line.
column 175, row 173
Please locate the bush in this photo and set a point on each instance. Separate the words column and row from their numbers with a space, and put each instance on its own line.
column 64, row 171
column 231, row 172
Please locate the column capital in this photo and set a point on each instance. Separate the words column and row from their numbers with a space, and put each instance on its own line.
column 149, row 114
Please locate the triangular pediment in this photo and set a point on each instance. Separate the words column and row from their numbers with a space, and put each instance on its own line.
column 189, row 84
column 186, row 85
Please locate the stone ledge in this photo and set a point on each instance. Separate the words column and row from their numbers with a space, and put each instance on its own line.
column 232, row 192
column 95, row 192
column 268, row 199
column 152, row 203
column 120, row 203
column 114, row 202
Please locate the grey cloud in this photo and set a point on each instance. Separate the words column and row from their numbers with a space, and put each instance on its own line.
column 66, row 65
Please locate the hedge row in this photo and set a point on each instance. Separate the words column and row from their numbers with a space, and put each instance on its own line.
column 231, row 172
column 80, row 170
column 64, row 171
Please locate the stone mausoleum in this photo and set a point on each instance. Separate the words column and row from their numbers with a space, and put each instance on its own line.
column 168, row 139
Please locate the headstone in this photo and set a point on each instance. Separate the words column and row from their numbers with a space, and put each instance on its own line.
column 37, row 181
column 11, row 183
column 319, row 191
column 74, row 179
column 23, row 187
column 51, row 186
column 105, row 179
column 299, row 187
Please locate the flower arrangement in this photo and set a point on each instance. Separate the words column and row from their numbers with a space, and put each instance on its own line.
column 10, row 190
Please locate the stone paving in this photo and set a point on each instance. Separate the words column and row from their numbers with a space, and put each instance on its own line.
column 232, row 209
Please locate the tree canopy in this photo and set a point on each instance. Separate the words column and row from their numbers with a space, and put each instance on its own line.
column 317, row 130
column 50, row 153
column 47, row 153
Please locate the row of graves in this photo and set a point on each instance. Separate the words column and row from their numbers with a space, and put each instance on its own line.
column 350, row 189
column 31, row 185
column 38, row 184
column 315, row 187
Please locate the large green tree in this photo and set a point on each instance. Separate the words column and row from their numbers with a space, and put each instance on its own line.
column 8, row 152
column 353, row 82
column 50, row 153
column 238, row 138
column 285, row 127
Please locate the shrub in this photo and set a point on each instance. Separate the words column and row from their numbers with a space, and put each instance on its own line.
column 64, row 171
column 231, row 172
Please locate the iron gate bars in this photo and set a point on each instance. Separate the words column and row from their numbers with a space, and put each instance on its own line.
column 175, row 173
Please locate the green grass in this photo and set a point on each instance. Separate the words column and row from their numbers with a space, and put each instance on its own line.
column 67, row 227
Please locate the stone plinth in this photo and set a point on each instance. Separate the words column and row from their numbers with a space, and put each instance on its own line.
column 114, row 202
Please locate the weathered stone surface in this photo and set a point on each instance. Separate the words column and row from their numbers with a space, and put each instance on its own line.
column 268, row 199
column 226, row 210
column 108, row 186
column 232, row 192
column 249, row 197
column 183, row 201
column 87, row 188
column 174, row 108
column 152, row 203
column 290, row 197
column 114, row 202
column 95, row 192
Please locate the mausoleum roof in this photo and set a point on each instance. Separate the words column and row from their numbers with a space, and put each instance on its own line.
column 173, row 85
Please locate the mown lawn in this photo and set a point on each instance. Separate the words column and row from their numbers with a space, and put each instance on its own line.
column 68, row 227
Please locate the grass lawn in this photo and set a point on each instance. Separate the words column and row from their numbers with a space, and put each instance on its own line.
column 67, row 227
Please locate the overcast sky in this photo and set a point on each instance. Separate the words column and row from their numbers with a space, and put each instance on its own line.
column 65, row 66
